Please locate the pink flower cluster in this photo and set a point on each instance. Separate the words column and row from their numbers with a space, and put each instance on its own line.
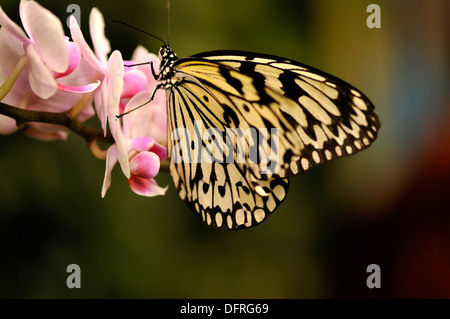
column 57, row 74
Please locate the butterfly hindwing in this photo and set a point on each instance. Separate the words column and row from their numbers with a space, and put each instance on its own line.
column 220, row 190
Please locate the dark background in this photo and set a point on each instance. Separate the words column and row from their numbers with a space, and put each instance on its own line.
column 388, row 205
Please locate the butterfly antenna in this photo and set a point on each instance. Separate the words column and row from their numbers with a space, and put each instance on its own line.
column 168, row 22
column 140, row 30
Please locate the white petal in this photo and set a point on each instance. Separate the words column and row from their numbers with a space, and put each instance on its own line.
column 101, row 44
column 46, row 31
column 111, row 160
column 111, row 99
column 7, row 125
column 12, row 27
column 86, row 51
column 41, row 80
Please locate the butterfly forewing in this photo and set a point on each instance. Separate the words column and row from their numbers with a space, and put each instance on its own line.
column 252, row 110
column 331, row 117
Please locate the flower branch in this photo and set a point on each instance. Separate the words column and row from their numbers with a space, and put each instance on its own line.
column 64, row 119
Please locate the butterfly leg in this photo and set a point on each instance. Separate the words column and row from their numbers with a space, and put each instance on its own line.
column 144, row 63
column 159, row 86
column 154, row 75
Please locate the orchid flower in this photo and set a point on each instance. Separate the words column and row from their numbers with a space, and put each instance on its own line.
column 145, row 154
column 140, row 131
column 136, row 137
column 55, row 70
column 59, row 69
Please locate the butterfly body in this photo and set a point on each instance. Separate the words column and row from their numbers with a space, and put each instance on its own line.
column 240, row 124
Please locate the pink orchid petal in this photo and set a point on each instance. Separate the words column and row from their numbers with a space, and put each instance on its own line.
column 12, row 27
column 41, row 80
column 79, row 89
column 60, row 102
column 134, row 82
column 121, row 144
column 145, row 165
column 141, row 55
column 159, row 150
column 111, row 160
column 99, row 103
column 46, row 132
column 46, row 31
column 11, row 50
column 86, row 113
column 145, row 187
column 122, row 106
column 158, row 115
column 137, row 116
column 115, row 72
column 101, row 44
column 7, row 125
column 141, row 144
column 73, row 50
column 85, row 49
column 150, row 119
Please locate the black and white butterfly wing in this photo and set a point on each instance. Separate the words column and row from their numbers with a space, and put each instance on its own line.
column 331, row 117
column 286, row 116
column 206, row 172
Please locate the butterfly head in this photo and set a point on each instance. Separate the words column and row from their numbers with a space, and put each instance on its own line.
column 168, row 58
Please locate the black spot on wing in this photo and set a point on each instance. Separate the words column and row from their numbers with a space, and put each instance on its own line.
column 221, row 190
column 290, row 88
column 290, row 119
column 230, row 117
column 235, row 83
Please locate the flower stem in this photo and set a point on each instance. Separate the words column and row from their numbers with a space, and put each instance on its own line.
column 65, row 119
column 23, row 116
column 6, row 87
column 81, row 104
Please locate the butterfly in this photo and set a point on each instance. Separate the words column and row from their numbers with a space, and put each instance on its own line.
column 241, row 123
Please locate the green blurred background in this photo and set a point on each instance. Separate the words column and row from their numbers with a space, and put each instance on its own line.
column 388, row 205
